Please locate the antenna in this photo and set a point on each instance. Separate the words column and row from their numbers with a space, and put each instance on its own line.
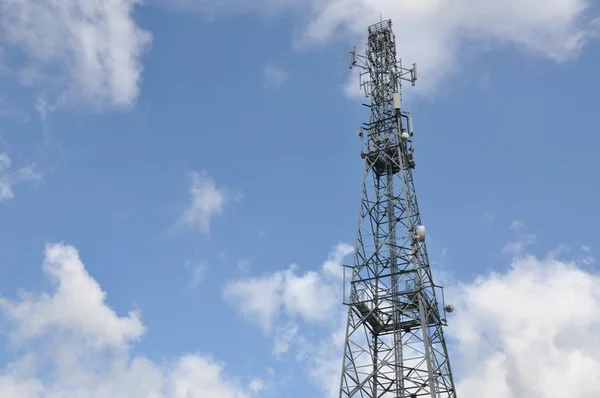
column 352, row 57
column 414, row 74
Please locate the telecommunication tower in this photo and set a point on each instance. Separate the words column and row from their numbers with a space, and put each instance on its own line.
column 395, row 346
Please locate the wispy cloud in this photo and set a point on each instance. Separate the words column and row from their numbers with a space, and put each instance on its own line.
column 522, row 240
column 196, row 274
column 516, row 225
column 44, row 109
column 206, row 201
column 9, row 177
column 274, row 75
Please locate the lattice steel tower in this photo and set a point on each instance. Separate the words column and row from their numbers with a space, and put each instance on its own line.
column 395, row 345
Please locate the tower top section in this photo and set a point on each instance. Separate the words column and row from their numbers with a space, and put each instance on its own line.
column 381, row 76
column 380, row 68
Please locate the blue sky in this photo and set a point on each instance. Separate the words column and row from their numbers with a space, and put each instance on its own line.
column 197, row 162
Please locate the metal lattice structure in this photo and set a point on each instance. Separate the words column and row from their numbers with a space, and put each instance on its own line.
column 395, row 345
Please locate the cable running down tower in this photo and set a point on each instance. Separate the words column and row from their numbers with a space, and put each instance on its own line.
column 395, row 346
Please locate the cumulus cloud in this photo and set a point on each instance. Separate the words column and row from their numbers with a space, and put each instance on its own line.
column 9, row 177
column 89, row 50
column 206, row 202
column 77, row 305
column 286, row 296
column 69, row 343
column 323, row 357
column 283, row 302
column 532, row 331
column 435, row 33
column 257, row 298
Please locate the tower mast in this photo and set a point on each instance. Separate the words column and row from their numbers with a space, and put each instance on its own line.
column 395, row 346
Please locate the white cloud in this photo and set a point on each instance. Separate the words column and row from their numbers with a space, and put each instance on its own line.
column 517, row 247
column 283, row 338
column 77, row 304
column 588, row 260
column 309, row 296
column 257, row 298
column 206, row 201
column 274, row 75
column 279, row 302
column 44, row 109
column 198, row 377
column 333, row 265
column 285, row 296
column 437, row 33
column 324, row 357
column 257, row 385
column 523, row 240
column 10, row 177
column 89, row 50
column 532, row 331
column 71, row 344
